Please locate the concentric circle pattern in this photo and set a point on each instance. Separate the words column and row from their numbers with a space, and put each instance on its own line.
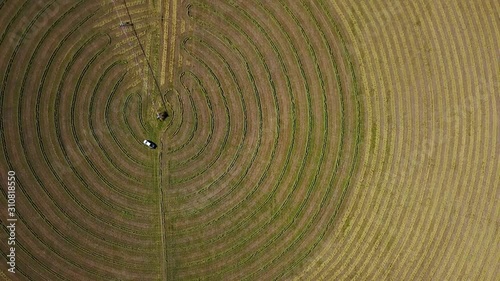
column 307, row 140
column 269, row 138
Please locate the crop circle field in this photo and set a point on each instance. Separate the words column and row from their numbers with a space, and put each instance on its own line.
column 305, row 140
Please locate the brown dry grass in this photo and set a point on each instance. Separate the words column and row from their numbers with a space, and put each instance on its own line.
column 308, row 140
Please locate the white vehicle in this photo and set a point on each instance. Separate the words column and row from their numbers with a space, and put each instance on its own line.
column 150, row 144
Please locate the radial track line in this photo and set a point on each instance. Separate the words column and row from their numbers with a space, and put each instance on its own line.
column 141, row 45
column 139, row 69
column 165, row 16
column 164, row 251
column 169, row 35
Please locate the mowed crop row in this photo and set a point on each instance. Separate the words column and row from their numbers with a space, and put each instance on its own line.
column 308, row 140
column 270, row 128
column 72, row 126
column 428, row 71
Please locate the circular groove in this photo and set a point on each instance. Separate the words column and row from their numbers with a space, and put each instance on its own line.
column 306, row 140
